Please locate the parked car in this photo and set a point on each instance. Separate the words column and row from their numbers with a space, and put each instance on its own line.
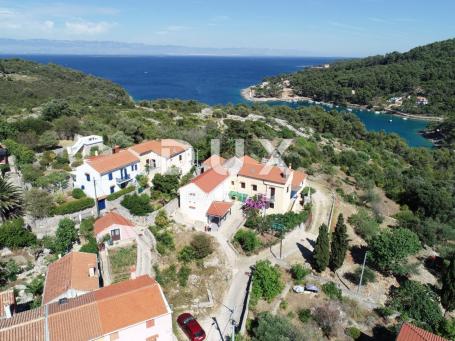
column 298, row 289
column 311, row 288
column 191, row 327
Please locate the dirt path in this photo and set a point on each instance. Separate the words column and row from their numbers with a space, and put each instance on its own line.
column 322, row 203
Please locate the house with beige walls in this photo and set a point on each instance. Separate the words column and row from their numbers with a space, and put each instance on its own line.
column 163, row 156
column 116, row 226
column 223, row 181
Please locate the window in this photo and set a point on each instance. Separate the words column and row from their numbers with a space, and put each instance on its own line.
column 287, row 189
column 82, row 187
column 232, row 183
column 110, row 176
column 272, row 205
column 87, row 176
column 135, row 167
column 180, row 157
column 272, row 191
column 149, row 323
column 192, row 207
column 114, row 336
column 112, row 189
column 255, row 187
column 152, row 338
column 132, row 167
column 242, row 184
column 193, row 194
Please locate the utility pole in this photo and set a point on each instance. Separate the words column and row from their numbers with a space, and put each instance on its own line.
column 363, row 269
column 96, row 200
column 233, row 325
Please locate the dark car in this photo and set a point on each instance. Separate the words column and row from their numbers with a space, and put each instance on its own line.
column 191, row 327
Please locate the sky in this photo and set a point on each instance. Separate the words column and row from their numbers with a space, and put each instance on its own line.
column 316, row 27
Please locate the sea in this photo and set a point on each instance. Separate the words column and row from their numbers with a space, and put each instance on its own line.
column 213, row 80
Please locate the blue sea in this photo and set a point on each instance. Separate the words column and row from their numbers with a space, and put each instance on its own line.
column 212, row 80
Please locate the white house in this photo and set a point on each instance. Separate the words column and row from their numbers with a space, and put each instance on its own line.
column 197, row 196
column 163, row 156
column 73, row 275
column 84, row 143
column 115, row 225
column 102, row 175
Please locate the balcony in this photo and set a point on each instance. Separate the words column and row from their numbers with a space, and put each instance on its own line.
column 123, row 179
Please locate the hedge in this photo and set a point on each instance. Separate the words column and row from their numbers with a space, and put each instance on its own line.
column 118, row 194
column 74, row 206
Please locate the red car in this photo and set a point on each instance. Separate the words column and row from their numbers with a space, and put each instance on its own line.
column 191, row 327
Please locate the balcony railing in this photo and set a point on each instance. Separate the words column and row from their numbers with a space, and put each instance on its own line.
column 123, row 179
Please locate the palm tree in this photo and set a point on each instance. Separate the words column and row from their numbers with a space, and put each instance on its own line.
column 11, row 201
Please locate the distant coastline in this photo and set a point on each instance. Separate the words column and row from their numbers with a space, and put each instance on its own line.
column 248, row 94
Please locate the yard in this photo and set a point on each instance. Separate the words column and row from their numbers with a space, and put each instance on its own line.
column 121, row 259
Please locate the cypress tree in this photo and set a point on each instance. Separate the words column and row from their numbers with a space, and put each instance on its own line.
column 339, row 245
column 321, row 253
column 448, row 286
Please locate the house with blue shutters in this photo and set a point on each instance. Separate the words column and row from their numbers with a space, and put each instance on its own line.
column 102, row 175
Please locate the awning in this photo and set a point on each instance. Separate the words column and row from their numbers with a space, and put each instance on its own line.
column 219, row 208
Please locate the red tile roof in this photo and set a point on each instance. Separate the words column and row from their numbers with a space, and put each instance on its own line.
column 297, row 179
column 410, row 332
column 264, row 172
column 70, row 272
column 219, row 208
column 210, row 179
column 213, row 161
column 92, row 315
column 166, row 147
column 6, row 298
column 109, row 219
column 107, row 163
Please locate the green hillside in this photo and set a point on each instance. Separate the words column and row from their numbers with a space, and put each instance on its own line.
column 25, row 85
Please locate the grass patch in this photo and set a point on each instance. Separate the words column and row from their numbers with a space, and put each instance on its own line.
column 121, row 259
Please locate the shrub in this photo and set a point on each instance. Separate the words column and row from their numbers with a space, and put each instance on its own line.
column 271, row 328
column 364, row 224
column 164, row 241
column 86, row 227
column 73, row 206
column 202, row 245
column 369, row 276
column 39, row 203
column 353, row 332
column 118, row 194
column 327, row 317
column 247, row 239
column 166, row 276
column 90, row 247
column 78, row 193
column 299, row 272
column 332, row 291
column 167, row 183
column 13, row 234
column 137, row 204
column 304, row 315
column 267, row 283
column 186, row 254
column 183, row 275
column 65, row 236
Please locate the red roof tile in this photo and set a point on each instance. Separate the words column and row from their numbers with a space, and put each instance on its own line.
column 70, row 272
column 213, row 161
column 210, row 179
column 107, row 163
column 166, row 147
column 219, row 208
column 25, row 326
column 264, row 172
column 297, row 179
column 410, row 332
column 110, row 219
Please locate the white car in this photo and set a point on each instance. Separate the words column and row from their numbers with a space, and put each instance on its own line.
column 298, row 289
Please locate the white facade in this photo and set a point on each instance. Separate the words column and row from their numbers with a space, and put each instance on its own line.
column 85, row 142
column 99, row 185
column 194, row 202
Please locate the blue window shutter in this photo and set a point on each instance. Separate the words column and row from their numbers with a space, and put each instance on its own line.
column 110, row 176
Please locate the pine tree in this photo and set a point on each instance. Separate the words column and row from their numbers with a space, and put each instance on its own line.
column 448, row 286
column 339, row 245
column 321, row 253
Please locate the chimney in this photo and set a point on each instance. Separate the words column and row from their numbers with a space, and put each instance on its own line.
column 290, row 165
column 133, row 272
column 116, row 149
column 7, row 308
column 91, row 271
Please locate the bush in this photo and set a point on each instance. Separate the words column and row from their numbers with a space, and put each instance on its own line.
column 90, row 247
column 65, row 236
column 39, row 203
column 78, row 193
column 13, row 234
column 248, row 240
column 304, row 315
column 332, row 291
column 164, row 241
column 267, row 283
column 86, row 227
column 118, row 194
column 187, row 254
column 353, row 332
column 327, row 317
column 73, row 206
column 166, row 276
column 167, row 183
column 364, row 224
column 272, row 328
column 137, row 204
column 183, row 275
column 299, row 272
column 202, row 245
column 369, row 276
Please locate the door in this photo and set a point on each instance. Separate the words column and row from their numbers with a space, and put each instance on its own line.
column 101, row 204
column 115, row 234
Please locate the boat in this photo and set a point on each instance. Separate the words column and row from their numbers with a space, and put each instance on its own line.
column 405, row 118
column 349, row 109
column 390, row 120
column 377, row 112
